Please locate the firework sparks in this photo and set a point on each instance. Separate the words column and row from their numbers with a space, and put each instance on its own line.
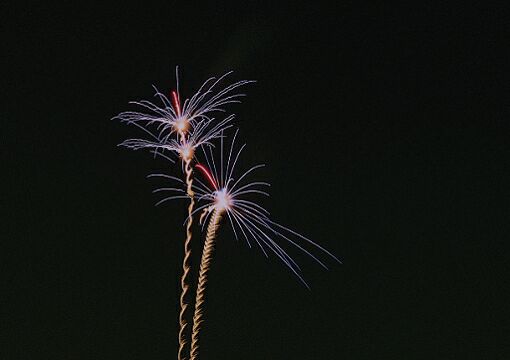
column 247, row 218
column 176, row 103
column 201, row 134
column 230, row 195
column 208, row 175
column 189, row 119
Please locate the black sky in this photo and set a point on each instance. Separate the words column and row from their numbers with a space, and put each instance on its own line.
column 386, row 142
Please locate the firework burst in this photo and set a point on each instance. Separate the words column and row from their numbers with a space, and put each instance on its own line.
column 187, row 143
column 223, row 194
column 190, row 121
column 228, row 194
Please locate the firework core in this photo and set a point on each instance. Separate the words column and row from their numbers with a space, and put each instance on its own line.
column 223, row 200
column 186, row 151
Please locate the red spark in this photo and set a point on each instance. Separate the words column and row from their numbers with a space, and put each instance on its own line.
column 207, row 174
column 176, row 102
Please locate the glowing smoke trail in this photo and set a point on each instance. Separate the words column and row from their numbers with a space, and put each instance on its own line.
column 186, row 267
column 205, row 265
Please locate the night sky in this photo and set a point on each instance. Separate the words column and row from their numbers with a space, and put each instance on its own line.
column 386, row 141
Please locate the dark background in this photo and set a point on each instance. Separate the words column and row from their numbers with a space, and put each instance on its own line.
column 387, row 142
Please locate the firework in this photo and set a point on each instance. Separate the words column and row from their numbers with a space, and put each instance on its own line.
column 182, row 128
column 190, row 121
column 231, row 195
column 192, row 126
column 186, row 143
column 223, row 194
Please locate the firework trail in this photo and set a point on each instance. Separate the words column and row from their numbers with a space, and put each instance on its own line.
column 182, row 127
column 205, row 265
column 193, row 127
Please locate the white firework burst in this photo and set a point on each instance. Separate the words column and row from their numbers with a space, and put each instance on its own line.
column 191, row 123
column 201, row 134
column 229, row 194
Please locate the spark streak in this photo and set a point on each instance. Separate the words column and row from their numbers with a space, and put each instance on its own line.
column 208, row 175
column 176, row 103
